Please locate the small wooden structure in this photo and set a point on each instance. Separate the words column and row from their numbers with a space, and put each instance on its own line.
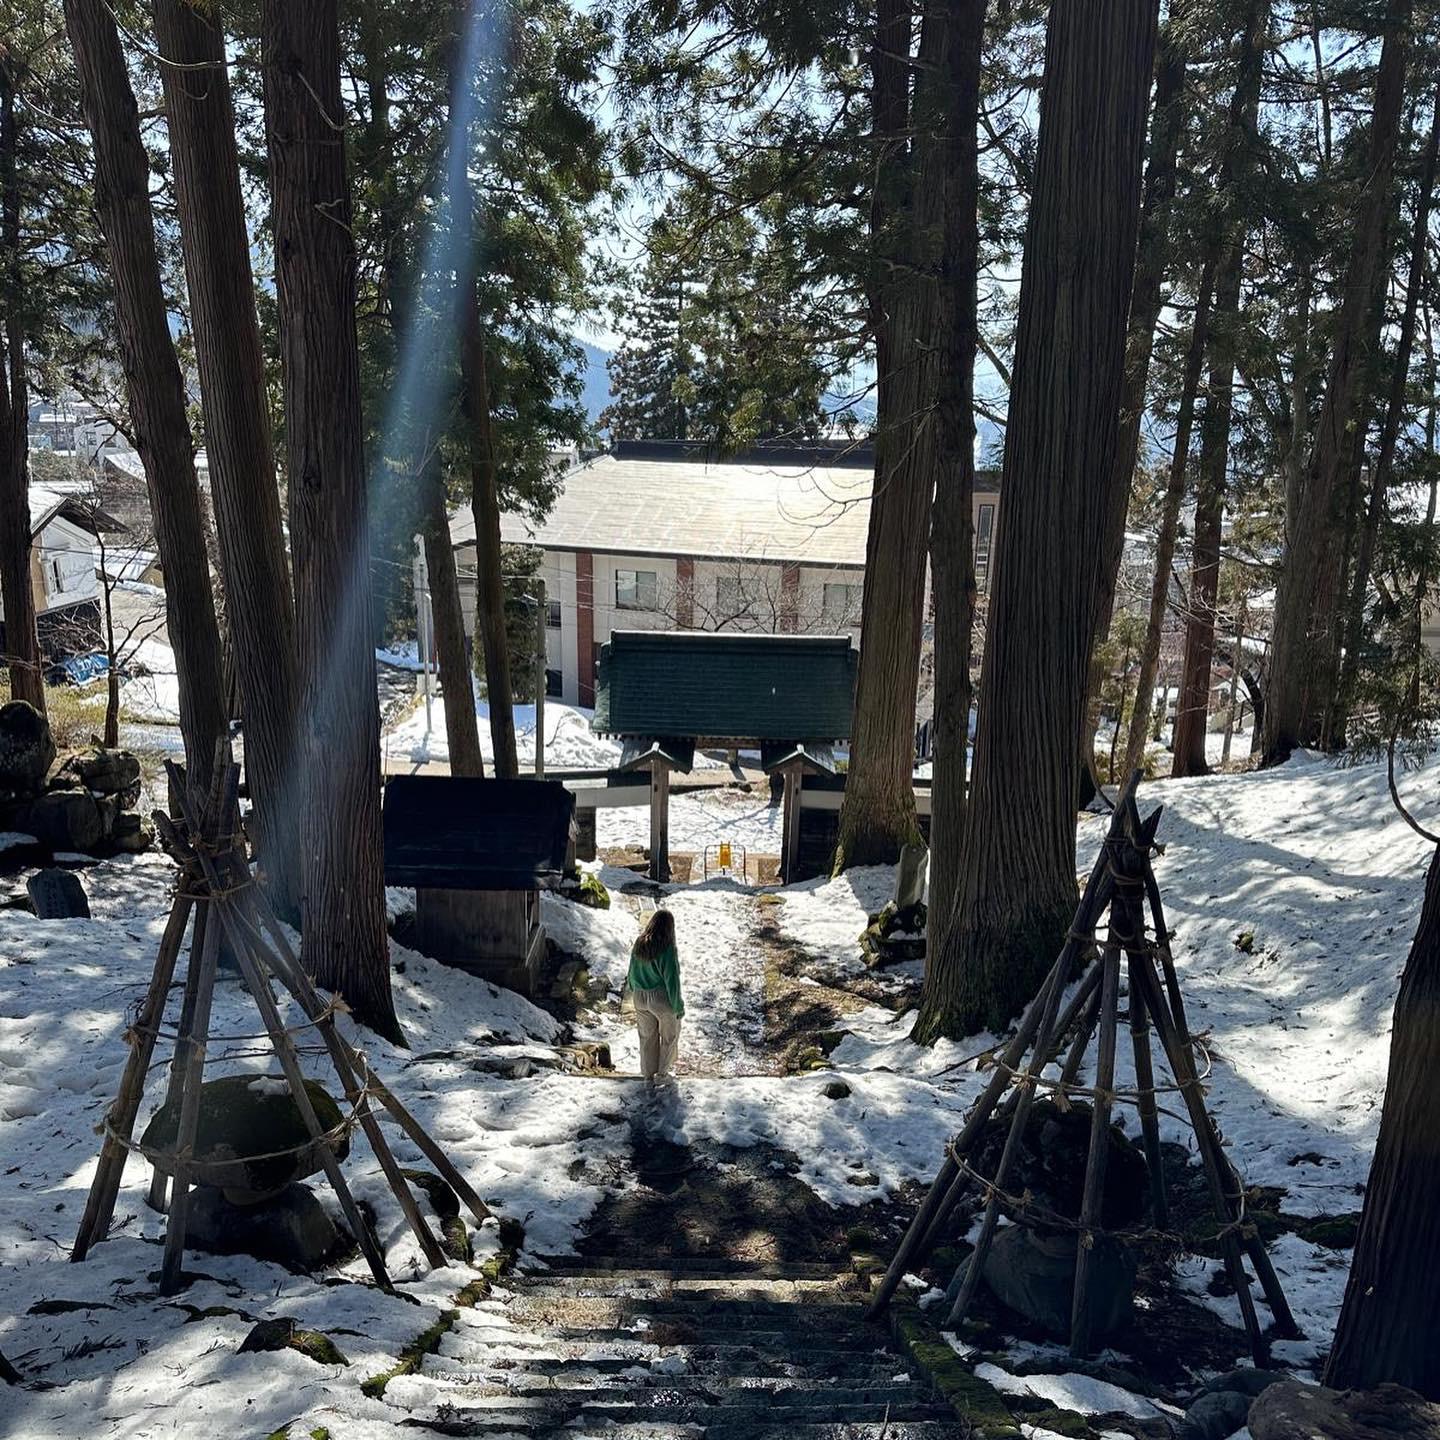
column 478, row 853
column 1123, row 884
column 216, row 888
column 665, row 694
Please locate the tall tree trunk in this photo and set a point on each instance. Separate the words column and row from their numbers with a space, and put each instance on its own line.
column 951, row 173
column 153, row 384
column 343, row 893
column 1192, row 711
column 462, row 734
column 21, row 654
column 1302, row 672
column 260, row 611
column 877, row 816
column 456, row 683
column 1167, row 126
column 1384, row 465
column 1391, row 1314
column 1138, row 735
column 485, row 502
column 475, row 402
column 1016, row 889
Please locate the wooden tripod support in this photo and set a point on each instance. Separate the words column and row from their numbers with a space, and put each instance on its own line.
column 1123, row 884
column 216, row 885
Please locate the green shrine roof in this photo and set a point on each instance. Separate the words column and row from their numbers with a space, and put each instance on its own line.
column 726, row 686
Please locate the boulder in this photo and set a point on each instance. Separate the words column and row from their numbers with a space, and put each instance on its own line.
column 66, row 820
column 248, row 1115
column 57, row 895
column 1245, row 1380
column 1034, row 1275
column 27, row 750
column 130, row 835
column 107, row 772
column 1214, row 1415
column 1051, row 1159
column 291, row 1228
column 1292, row 1411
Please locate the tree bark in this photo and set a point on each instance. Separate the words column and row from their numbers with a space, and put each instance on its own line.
column 1139, row 732
column 1303, row 673
column 485, row 503
column 17, row 599
column 1192, row 710
column 461, row 730
column 475, row 401
column 1384, row 465
column 1167, row 127
column 215, row 241
column 1391, row 1314
column 1016, row 890
column 342, row 896
column 950, row 174
column 154, row 387
column 877, row 816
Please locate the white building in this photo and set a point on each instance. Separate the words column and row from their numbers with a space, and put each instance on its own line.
column 657, row 535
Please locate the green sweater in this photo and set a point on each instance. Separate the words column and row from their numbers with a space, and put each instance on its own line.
column 661, row 973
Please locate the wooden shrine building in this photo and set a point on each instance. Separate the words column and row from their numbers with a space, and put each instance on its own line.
column 478, row 853
column 665, row 694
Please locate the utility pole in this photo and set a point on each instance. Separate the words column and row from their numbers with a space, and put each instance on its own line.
column 541, row 615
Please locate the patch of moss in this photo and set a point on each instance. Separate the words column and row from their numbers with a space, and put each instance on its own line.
column 427, row 1342
column 1337, row 1231
column 319, row 1433
column 1061, row 1422
column 857, row 1237
column 593, row 892
column 317, row 1347
column 978, row 1403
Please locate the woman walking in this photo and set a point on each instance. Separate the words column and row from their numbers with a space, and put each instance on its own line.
column 655, row 989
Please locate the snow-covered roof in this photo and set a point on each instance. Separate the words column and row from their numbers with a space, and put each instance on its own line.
column 48, row 502
column 669, row 498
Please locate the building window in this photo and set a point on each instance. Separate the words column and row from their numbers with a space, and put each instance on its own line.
column 841, row 606
column 554, row 684
column 57, row 580
column 636, row 589
column 552, row 614
column 984, row 530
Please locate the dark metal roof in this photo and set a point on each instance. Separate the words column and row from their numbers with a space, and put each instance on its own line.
column 814, row 757
column 737, row 687
column 640, row 751
column 447, row 832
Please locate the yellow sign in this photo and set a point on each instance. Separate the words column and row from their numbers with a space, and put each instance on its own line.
column 725, row 855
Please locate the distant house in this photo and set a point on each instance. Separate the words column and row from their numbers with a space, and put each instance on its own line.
column 660, row 535
column 63, row 531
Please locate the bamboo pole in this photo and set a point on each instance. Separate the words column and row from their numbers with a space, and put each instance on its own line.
column 1149, row 1115
column 100, row 1205
column 159, row 1181
column 1093, row 1195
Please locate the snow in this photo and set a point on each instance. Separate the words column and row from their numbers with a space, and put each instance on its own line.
column 1081, row 1393
column 1307, row 867
column 570, row 744
column 699, row 820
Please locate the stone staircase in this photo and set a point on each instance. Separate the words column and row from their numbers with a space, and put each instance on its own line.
column 595, row 1349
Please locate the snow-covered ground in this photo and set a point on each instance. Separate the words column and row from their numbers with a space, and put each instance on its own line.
column 1307, row 867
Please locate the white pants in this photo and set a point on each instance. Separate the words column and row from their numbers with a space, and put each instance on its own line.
column 659, row 1028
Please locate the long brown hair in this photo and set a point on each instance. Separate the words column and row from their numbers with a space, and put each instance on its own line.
column 657, row 934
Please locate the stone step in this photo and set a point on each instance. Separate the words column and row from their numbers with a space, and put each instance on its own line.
column 626, row 1285
column 671, row 1335
column 536, row 1414
column 742, row 1363
column 696, row 1308
column 745, row 1427
column 595, row 1265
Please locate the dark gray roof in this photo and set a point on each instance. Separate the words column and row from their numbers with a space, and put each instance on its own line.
column 788, row 688
column 447, row 832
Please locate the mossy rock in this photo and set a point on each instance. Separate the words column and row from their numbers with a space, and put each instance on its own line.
column 592, row 891
column 245, row 1116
